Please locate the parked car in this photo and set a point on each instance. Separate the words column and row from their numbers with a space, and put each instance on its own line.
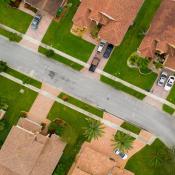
column 101, row 46
column 121, row 154
column 108, row 51
column 35, row 22
column 162, row 79
column 94, row 64
column 169, row 83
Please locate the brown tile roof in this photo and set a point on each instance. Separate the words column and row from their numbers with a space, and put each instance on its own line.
column 50, row 6
column 33, row 154
column 161, row 32
column 93, row 162
column 118, row 14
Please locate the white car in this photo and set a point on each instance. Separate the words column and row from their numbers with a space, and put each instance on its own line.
column 101, row 46
column 163, row 77
column 121, row 154
column 170, row 82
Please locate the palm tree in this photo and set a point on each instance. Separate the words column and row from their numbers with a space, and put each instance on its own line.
column 122, row 141
column 93, row 130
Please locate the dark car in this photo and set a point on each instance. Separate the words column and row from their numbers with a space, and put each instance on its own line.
column 108, row 51
column 35, row 22
column 94, row 64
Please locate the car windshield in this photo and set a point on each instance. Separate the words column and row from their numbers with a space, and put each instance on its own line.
column 122, row 154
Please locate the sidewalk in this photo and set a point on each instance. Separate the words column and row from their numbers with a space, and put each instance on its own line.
column 101, row 72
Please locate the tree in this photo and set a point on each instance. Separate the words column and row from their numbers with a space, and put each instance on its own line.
column 93, row 130
column 122, row 141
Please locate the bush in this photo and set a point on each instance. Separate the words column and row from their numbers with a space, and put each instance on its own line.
column 23, row 114
column 158, row 65
column 3, row 66
column 13, row 37
column 49, row 53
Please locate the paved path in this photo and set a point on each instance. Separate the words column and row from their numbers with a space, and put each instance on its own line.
column 42, row 104
column 101, row 72
column 90, row 90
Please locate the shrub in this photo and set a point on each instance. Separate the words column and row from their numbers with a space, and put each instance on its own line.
column 94, row 31
column 23, row 114
column 49, row 53
column 3, row 66
column 2, row 125
column 13, row 37
column 158, row 65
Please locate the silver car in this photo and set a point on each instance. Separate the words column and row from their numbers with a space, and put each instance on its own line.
column 35, row 22
column 162, row 79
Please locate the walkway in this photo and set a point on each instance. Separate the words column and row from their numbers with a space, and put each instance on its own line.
column 101, row 72
column 42, row 104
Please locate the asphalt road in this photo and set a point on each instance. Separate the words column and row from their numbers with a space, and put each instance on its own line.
column 90, row 90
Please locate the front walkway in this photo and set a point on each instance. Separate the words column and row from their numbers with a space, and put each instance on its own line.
column 42, row 104
column 37, row 34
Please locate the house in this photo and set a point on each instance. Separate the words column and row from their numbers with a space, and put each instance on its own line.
column 113, row 16
column 27, row 152
column 159, row 41
column 48, row 6
column 90, row 161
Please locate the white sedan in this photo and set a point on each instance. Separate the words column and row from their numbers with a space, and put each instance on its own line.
column 121, row 154
column 170, row 82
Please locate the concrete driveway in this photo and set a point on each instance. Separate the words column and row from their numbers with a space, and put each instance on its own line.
column 101, row 65
column 37, row 34
column 158, row 91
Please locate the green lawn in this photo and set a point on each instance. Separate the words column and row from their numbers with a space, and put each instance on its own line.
column 17, row 102
column 170, row 98
column 9, row 35
column 141, row 162
column 59, row 36
column 123, row 88
column 14, row 18
column 24, row 78
column 117, row 65
column 61, row 59
column 82, row 105
column 77, row 121
column 131, row 127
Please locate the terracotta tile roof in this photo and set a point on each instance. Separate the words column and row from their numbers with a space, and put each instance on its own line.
column 161, row 32
column 32, row 153
column 50, row 6
column 91, row 162
column 118, row 16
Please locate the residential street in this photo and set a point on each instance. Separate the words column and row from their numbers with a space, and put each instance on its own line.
column 89, row 90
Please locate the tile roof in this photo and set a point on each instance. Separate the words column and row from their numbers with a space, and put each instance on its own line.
column 50, row 6
column 161, row 32
column 33, row 153
column 115, row 15
column 91, row 162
